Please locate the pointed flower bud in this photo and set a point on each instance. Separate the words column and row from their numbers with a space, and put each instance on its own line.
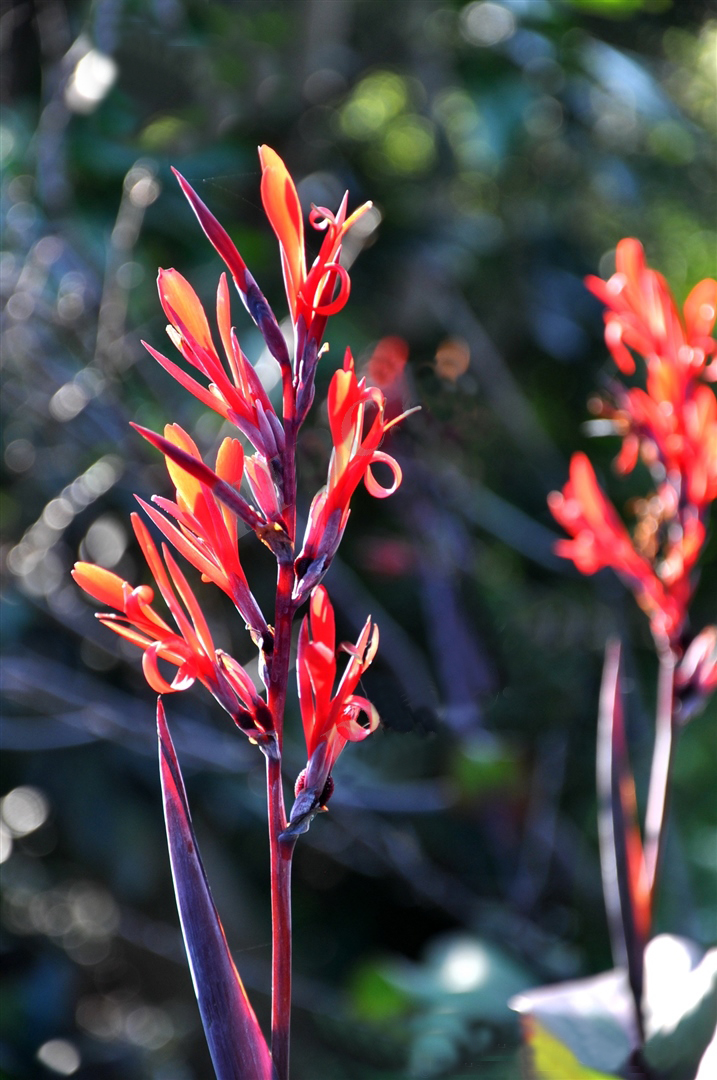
column 353, row 455
column 246, row 286
column 330, row 719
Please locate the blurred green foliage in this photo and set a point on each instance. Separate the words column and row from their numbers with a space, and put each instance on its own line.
column 507, row 146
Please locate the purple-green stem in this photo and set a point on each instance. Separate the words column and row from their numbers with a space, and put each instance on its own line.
column 281, row 856
column 281, row 851
column 663, row 755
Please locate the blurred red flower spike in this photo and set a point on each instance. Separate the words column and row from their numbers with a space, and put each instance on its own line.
column 236, row 1043
column 642, row 313
column 330, row 720
column 625, row 879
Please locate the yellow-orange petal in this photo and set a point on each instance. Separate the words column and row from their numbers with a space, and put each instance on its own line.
column 230, row 461
column 701, row 308
column 179, row 298
column 630, row 259
column 283, row 210
column 101, row 584
column 323, row 626
column 188, row 487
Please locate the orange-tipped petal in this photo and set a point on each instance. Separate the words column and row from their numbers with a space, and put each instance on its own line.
column 701, row 309
column 230, row 461
column 283, row 209
column 323, row 625
column 630, row 259
column 188, row 487
column 101, row 584
column 179, row 298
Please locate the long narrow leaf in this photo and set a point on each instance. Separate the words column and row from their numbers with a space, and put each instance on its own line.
column 236, row 1044
column 621, row 853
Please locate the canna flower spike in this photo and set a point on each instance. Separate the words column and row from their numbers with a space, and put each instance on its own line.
column 329, row 721
column 353, row 455
column 201, row 524
column 189, row 648
column 671, row 424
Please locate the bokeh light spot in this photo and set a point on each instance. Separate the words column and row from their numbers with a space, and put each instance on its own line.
column 24, row 809
column 465, row 967
column 60, row 1056
column 106, row 541
column 486, row 23
column 409, row 144
column 377, row 99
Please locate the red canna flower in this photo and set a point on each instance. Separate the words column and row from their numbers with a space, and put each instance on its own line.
column 309, row 294
column 206, row 533
column 600, row 539
column 329, row 721
column 189, row 648
column 239, row 396
column 352, row 457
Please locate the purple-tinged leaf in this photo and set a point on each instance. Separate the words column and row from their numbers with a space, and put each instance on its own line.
column 216, row 234
column 625, row 883
column 236, row 1044
column 252, row 296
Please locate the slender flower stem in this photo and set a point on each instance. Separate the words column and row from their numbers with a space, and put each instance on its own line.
column 281, row 851
column 281, row 858
column 661, row 771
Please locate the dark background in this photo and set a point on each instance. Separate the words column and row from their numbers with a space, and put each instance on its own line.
column 508, row 147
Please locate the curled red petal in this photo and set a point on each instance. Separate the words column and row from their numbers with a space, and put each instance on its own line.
column 152, row 673
column 372, row 485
